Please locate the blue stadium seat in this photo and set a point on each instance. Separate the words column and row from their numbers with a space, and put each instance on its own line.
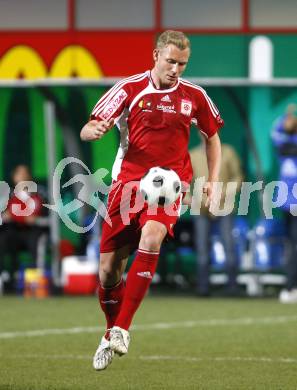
column 269, row 244
column 217, row 253
column 240, row 232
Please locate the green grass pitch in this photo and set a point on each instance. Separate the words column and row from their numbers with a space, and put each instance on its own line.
column 177, row 343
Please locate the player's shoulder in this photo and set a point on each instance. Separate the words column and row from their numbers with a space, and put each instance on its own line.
column 134, row 79
column 193, row 87
column 201, row 96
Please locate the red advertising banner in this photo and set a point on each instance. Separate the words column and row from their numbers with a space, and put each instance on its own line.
column 90, row 54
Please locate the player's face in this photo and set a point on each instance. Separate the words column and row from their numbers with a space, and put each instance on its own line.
column 170, row 63
column 21, row 173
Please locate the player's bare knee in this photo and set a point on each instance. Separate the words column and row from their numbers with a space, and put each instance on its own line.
column 105, row 276
column 152, row 237
column 108, row 278
column 150, row 242
column 107, row 273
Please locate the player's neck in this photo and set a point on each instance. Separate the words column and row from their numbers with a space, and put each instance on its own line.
column 157, row 83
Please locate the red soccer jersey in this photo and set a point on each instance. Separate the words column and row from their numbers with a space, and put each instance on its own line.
column 154, row 124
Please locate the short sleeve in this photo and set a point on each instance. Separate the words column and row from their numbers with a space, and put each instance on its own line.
column 207, row 116
column 111, row 104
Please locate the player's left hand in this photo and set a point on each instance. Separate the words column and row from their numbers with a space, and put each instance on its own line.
column 209, row 191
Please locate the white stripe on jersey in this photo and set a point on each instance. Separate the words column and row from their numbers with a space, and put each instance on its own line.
column 148, row 89
column 106, row 95
column 212, row 107
column 103, row 102
column 111, row 93
column 122, row 125
column 151, row 89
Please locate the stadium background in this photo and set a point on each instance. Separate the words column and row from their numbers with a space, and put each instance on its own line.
column 65, row 44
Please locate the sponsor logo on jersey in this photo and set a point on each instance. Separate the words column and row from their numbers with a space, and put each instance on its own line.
column 166, row 98
column 186, row 107
column 145, row 106
column 114, row 104
column 145, row 274
column 168, row 109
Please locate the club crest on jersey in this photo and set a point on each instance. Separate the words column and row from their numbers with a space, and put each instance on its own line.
column 114, row 104
column 186, row 107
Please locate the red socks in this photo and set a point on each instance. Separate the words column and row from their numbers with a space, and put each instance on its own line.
column 139, row 278
column 110, row 299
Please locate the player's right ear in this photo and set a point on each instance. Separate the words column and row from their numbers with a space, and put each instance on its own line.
column 155, row 54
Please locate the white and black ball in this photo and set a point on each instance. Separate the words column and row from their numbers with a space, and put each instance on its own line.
column 160, row 186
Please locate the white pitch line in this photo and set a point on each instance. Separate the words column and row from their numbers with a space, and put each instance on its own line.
column 220, row 359
column 261, row 359
column 47, row 357
column 245, row 321
column 46, row 332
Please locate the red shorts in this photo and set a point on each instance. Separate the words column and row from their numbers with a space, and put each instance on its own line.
column 127, row 213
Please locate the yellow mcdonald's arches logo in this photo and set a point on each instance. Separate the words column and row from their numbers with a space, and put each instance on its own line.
column 75, row 61
column 22, row 61
column 25, row 62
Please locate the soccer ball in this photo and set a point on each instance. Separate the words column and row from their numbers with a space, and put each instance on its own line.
column 160, row 186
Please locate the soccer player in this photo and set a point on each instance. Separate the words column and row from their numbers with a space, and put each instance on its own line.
column 153, row 111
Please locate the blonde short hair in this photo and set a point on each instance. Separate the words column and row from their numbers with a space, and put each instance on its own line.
column 176, row 38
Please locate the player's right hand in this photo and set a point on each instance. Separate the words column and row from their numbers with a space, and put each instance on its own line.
column 102, row 127
column 94, row 129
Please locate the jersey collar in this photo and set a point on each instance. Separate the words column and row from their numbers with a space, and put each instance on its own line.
column 149, row 75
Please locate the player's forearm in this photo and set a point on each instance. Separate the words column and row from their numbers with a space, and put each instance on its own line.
column 87, row 132
column 94, row 129
column 213, row 154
